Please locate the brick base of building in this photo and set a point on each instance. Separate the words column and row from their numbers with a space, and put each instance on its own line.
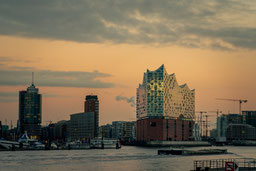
column 164, row 130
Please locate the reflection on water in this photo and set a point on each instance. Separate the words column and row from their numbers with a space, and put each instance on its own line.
column 126, row 158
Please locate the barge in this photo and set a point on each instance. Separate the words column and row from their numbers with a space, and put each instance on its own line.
column 192, row 152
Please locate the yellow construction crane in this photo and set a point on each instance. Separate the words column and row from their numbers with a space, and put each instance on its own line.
column 236, row 100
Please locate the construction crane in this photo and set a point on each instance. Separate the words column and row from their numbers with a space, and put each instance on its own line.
column 217, row 112
column 236, row 100
column 204, row 124
column 201, row 121
column 207, row 123
column 50, row 122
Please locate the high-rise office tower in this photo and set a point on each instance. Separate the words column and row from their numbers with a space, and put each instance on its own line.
column 91, row 104
column 164, row 109
column 30, row 112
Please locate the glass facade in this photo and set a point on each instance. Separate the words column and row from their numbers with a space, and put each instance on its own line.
column 82, row 126
column 249, row 117
column 155, row 93
column 32, row 106
column 160, row 96
column 30, row 111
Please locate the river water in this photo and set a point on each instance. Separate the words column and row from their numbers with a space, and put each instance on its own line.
column 126, row 158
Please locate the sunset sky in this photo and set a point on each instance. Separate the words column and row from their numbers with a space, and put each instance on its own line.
column 81, row 47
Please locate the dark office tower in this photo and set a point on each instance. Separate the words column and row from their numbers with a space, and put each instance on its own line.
column 91, row 104
column 30, row 112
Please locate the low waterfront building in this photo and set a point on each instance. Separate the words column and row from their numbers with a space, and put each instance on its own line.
column 60, row 130
column 48, row 133
column 81, row 126
column 44, row 133
column 125, row 130
column 129, row 129
column 117, row 129
column 223, row 122
column 249, row 117
column 5, row 131
column 241, row 132
column 105, row 131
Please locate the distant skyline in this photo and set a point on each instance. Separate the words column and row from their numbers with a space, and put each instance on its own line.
column 78, row 48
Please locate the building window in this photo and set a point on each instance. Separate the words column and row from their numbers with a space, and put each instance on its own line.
column 153, row 124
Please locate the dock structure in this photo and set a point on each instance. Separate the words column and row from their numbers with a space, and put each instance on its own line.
column 176, row 144
column 192, row 152
column 241, row 164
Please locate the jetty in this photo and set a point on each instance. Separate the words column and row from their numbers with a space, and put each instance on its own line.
column 192, row 152
column 244, row 143
column 175, row 144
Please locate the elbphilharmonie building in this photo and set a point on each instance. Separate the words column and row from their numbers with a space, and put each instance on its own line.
column 164, row 109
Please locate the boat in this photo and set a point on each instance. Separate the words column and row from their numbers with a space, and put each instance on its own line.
column 23, row 143
column 33, row 143
column 12, row 145
column 100, row 143
column 77, row 145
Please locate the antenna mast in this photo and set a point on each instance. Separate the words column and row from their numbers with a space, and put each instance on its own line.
column 32, row 78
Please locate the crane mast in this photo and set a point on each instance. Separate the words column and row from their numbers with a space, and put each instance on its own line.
column 236, row 100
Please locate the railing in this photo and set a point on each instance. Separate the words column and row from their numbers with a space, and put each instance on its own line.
column 220, row 163
column 217, row 163
column 246, row 163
